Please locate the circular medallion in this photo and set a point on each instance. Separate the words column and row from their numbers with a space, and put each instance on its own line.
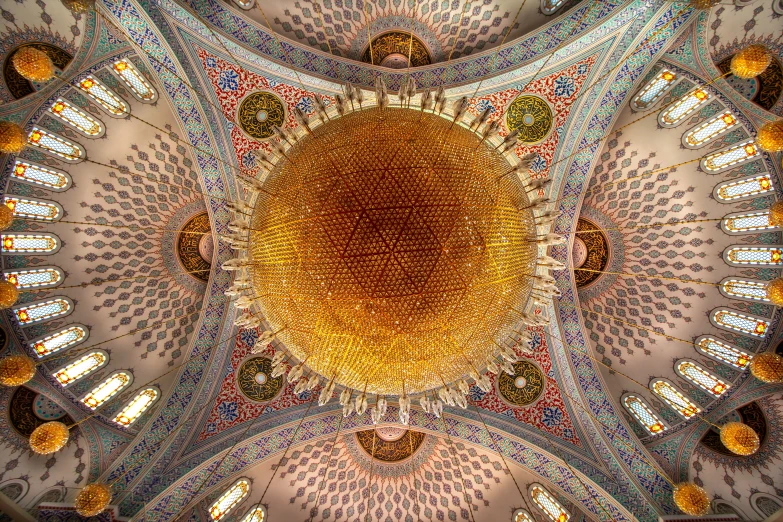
column 255, row 381
column 590, row 252
column 404, row 444
column 531, row 116
column 46, row 409
column 259, row 113
column 194, row 246
column 525, row 386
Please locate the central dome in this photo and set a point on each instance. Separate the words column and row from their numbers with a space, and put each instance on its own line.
column 390, row 250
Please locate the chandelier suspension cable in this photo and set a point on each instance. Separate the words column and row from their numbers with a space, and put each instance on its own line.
column 167, row 68
column 372, row 467
column 314, row 510
column 620, row 129
column 369, row 35
column 695, row 414
column 500, row 454
column 453, row 456
column 456, row 35
column 573, row 473
column 621, row 438
column 414, row 490
column 410, row 44
column 498, row 49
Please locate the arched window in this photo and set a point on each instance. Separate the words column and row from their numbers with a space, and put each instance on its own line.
column 747, row 222
column 47, row 177
column 738, row 322
column 138, row 405
column 129, row 74
column 549, row 7
column 33, row 208
column 677, row 111
column 81, row 367
column 76, row 118
column 654, row 89
column 765, row 505
column 723, row 352
column 744, row 289
column 710, row 129
column 674, row 398
column 35, row 278
column 107, row 389
column 520, row 515
column 42, row 310
column 61, row 340
column 104, row 96
column 258, row 515
column 738, row 255
column 24, row 243
column 547, row 503
column 229, row 499
column 643, row 414
column 702, row 378
column 743, row 188
column 730, row 157
column 56, row 145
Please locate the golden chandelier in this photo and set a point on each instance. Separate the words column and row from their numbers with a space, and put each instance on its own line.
column 392, row 249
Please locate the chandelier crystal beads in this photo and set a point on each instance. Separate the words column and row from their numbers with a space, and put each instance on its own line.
column 16, row 370
column 691, row 499
column 739, row 438
column 33, row 64
column 92, row 499
column 49, row 437
column 391, row 251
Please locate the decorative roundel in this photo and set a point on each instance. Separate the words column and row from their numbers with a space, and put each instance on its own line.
column 390, row 445
column 259, row 113
column 255, row 379
column 46, row 409
column 532, row 116
column 525, row 386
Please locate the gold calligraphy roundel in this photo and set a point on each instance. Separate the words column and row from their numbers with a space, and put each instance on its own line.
column 259, row 113
column 255, row 379
column 532, row 116
column 525, row 386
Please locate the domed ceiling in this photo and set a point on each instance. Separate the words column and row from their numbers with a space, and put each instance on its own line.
column 257, row 283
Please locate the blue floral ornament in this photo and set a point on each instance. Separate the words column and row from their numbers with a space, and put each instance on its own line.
column 551, row 416
column 228, row 80
column 483, row 105
column 211, row 62
column 582, row 69
column 228, row 411
column 564, row 86
column 305, row 104
column 538, row 165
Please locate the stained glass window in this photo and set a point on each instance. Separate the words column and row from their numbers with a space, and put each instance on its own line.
column 754, row 186
column 678, row 110
column 81, row 367
column 33, row 209
column 20, row 243
column 75, row 117
column 734, row 155
column 138, row 405
column 755, row 290
column 754, row 255
column 42, row 310
column 674, row 398
column 654, row 89
column 643, row 414
column 34, row 278
column 134, row 80
column 740, row 322
column 548, row 504
column 37, row 175
column 104, row 96
column 257, row 515
column 724, row 353
column 749, row 222
column 550, row 6
column 107, row 389
column 711, row 128
column 59, row 341
column 702, row 378
column 230, row 498
column 55, row 144
column 520, row 515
